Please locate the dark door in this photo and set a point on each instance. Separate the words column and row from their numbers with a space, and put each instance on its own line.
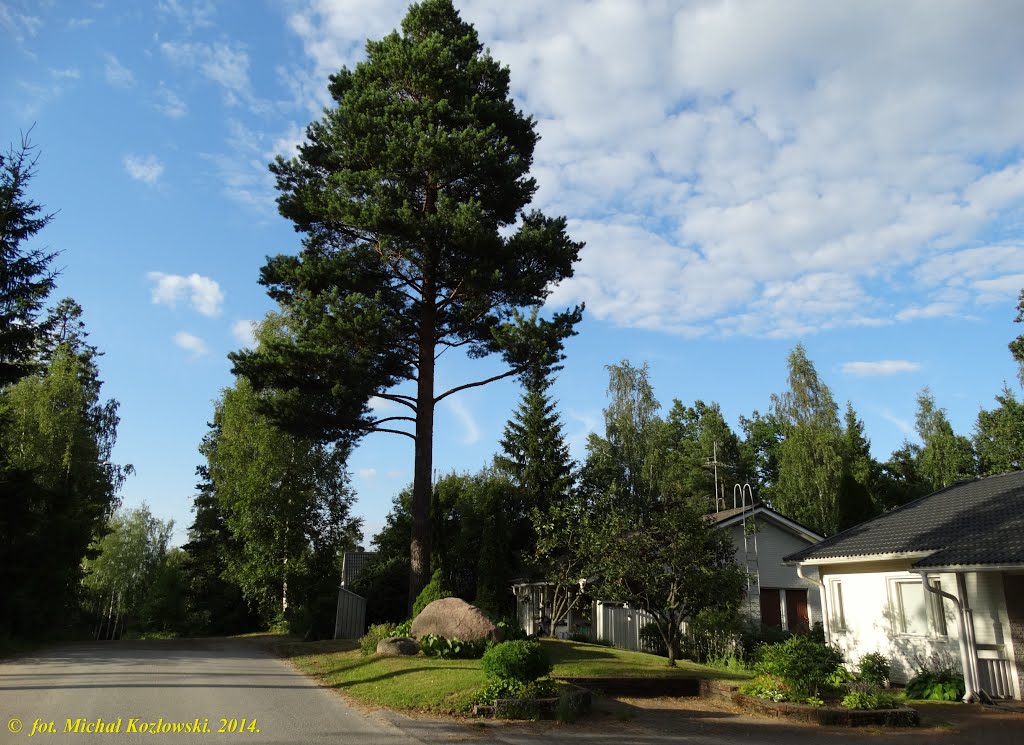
column 771, row 610
column 796, row 609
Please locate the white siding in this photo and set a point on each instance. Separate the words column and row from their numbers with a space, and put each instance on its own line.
column 769, row 544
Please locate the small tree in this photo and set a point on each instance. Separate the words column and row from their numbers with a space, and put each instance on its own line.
column 672, row 564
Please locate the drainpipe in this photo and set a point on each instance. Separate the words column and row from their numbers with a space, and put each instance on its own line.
column 822, row 594
column 966, row 642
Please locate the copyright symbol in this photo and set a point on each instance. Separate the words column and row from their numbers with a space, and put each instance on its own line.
column 14, row 725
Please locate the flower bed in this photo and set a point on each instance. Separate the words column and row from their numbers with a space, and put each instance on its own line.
column 572, row 702
column 829, row 715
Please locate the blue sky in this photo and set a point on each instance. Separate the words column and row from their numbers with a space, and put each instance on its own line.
column 746, row 175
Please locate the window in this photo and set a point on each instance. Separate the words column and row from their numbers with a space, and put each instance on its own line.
column 838, row 613
column 938, row 615
column 784, row 608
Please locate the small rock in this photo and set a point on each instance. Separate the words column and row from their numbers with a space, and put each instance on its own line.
column 398, row 646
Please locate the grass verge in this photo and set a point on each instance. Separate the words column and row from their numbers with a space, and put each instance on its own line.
column 429, row 684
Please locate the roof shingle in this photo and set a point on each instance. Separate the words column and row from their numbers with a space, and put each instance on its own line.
column 971, row 523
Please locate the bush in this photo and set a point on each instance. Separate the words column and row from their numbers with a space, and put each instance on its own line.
column 510, row 628
column 433, row 591
column 869, row 697
column 368, row 644
column 521, row 660
column 651, row 640
column 404, row 628
column 714, row 635
column 802, row 664
column 941, row 685
column 509, row 688
column 875, row 668
column 766, row 687
column 452, row 649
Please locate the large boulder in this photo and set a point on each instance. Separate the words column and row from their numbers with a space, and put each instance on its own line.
column 453, row 618
column 398, row 646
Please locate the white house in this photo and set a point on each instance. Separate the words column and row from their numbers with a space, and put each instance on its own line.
column 776, row 594
column 938, row 579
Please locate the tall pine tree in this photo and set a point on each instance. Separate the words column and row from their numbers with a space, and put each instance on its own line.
column 406, row 192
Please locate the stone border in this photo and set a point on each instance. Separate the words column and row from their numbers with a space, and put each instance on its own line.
column 576, row 700
column 728, row 693
column 833, row 716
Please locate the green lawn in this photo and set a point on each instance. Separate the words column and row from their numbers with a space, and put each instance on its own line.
column 448, row 686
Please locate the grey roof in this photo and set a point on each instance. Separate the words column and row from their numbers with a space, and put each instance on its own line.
column 760, row 508
column 971, row 523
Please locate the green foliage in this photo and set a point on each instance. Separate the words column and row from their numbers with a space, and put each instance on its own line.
column 936, row 685
column 656, row 553
column 510, row 629
column 1017, row 345
column 512, row 688
column 767, row 687
column 59, row 487
column 999, row 436
column 434, row 590
column 803, row 665
column 404, row 628
column 523, row 660
column 26, row 279
column 378, row 631
column 814, row 701
column 130, row 573
column 870, row 697
column 945, row 457
column 454, row 649
column 810, row 455
column 285, row 501
column 713, row 636
column 405, row 192
column 875, row 668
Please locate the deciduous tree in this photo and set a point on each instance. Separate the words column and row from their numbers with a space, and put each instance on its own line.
column 810, row 458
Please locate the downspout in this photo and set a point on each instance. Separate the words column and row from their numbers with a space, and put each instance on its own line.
column 966, row 658
column 822, row 594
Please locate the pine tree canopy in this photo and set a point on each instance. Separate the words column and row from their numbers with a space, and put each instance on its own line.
column 406, row 193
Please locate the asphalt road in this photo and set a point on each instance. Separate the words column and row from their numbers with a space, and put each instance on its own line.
column 216, row 685
column 175, row 686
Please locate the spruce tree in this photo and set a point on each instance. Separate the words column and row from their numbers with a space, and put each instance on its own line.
column 26, row 279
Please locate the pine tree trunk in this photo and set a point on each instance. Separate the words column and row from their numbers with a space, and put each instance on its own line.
column 422, row 485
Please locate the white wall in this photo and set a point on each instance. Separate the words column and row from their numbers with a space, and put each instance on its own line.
column 871, row 611
column 772, row 543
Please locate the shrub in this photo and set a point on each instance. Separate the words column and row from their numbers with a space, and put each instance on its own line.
column 521, row 660
column 875, row 668
column 511, row 629
column 714, row 635
column 802, row 664
column 368, row 644
column 509, row 688
column 433, row 591
column 404, row 628
column 870, row 697
column 766, row 687
column 451, row 649
column 941, row 685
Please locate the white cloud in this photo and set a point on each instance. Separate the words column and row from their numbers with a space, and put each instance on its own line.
column 145, row 168
column 191, row 343
column 245, row 333
column 901, row 424
column 763, row 178
column 203, row 293
column 169, row 103
column 191, row 15
column 116, row 73
column 224, row 63
column 394, row 474
column 881, row 367
column 21, row 26
column 470, row 430
column 367, row 473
